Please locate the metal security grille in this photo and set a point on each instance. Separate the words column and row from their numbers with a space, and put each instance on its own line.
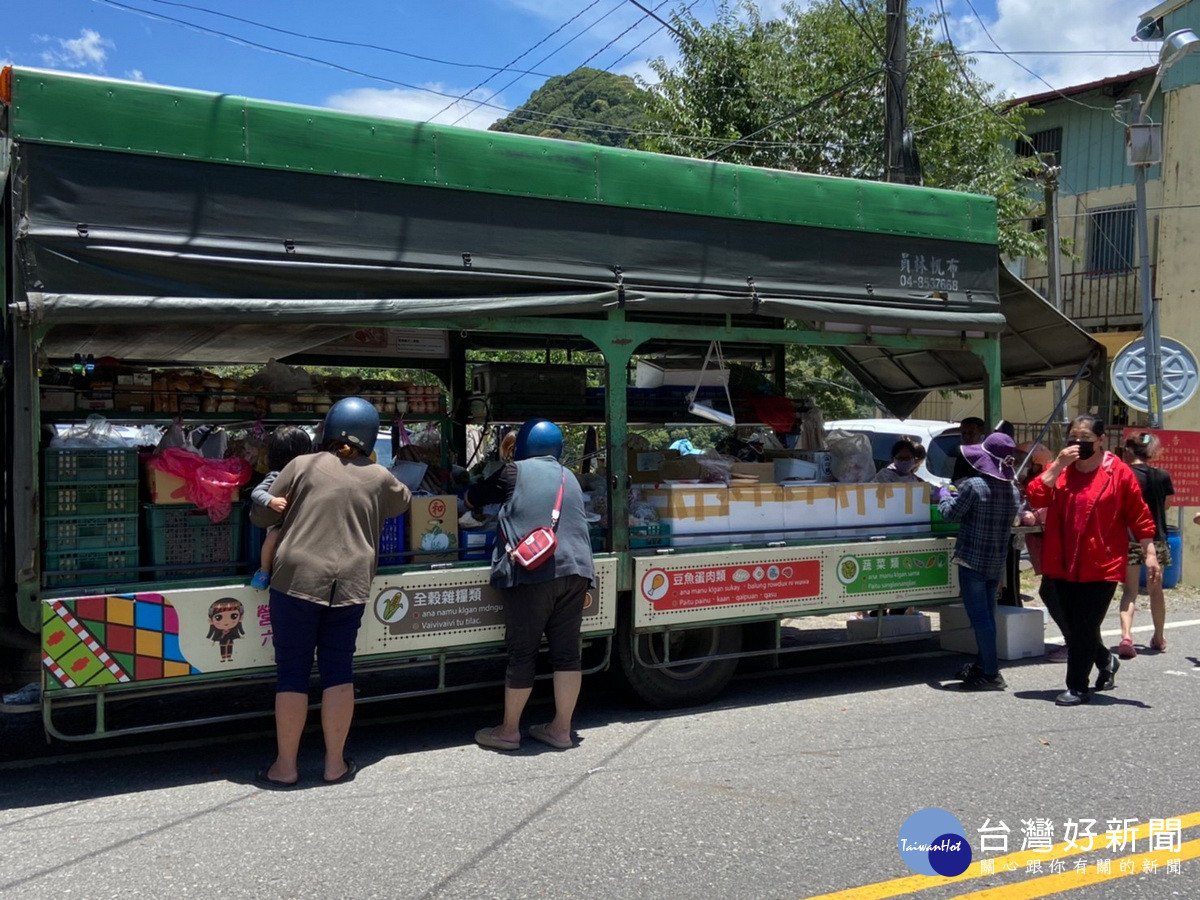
column 1110, row 240
column 1045, row 144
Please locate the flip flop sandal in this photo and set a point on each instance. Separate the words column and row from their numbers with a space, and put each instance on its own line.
column 267, row 783
column 348, row 775
column 486, row 737
column 540, row 733
column 1125, row 649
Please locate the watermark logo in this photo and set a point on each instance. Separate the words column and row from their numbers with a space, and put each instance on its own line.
column 933, row 842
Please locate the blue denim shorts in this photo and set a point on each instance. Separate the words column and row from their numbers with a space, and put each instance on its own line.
column 300, row 629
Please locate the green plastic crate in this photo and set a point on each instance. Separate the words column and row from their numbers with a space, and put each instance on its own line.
column 75, row 464
column 115, row 564
column 89, row 533
column 183, row 535
column 89, row 499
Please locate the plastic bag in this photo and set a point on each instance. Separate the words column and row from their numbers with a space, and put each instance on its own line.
column 276, row 378
column 175, row 438
column 851, row 457
column 209, row 484
column 95, row 432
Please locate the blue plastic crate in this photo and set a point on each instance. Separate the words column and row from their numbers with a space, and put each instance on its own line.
column 393, row 542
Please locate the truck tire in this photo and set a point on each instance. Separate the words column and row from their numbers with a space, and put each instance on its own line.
column 685, row 685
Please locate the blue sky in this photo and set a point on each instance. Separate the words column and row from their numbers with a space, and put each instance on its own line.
column 415, row 58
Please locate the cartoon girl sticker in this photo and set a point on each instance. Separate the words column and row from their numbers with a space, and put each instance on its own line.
column 225, row 625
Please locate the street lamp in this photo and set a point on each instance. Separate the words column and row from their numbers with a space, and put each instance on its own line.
column 1143, row 148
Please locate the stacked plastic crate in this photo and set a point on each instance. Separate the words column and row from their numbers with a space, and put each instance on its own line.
column 90, row 526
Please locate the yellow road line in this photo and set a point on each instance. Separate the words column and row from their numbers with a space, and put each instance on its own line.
column 898, row 887
column 1060, row 882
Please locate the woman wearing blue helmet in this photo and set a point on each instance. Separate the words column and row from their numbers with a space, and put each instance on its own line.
column 547, row 600
column 321, row 580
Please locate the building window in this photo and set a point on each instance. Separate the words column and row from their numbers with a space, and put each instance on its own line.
column 1110, row 240
column 1044, row 144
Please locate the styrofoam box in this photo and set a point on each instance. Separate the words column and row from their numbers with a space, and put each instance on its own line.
column 649, row 375
column 795, row 468
column 698, row 513
column 1020, row 632
column 914, row 624
column 903, row 507
column 809, row 510
column 755, row 512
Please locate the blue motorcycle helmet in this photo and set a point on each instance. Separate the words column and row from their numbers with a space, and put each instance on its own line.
column 353, row 420
column 539, row 437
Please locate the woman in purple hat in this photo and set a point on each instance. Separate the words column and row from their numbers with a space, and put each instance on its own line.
column 985, row 505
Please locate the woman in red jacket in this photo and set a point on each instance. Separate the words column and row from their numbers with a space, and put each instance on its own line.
column 1094, row 504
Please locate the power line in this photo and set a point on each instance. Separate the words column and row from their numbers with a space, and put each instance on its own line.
column 542, row 60
column 515, row 60
column 213, row 32
column 345, row 43
column 979, row 18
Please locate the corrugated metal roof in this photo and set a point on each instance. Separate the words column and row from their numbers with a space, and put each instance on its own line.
column 1072, row 90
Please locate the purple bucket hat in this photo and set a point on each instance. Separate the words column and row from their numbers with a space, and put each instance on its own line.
column 996, row 457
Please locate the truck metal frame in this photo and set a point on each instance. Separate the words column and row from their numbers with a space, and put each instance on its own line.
column 166, row 226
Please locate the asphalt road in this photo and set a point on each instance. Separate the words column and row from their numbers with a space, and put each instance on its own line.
column 794, row 784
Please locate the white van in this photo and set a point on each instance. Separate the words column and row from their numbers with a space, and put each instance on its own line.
column 940, row 439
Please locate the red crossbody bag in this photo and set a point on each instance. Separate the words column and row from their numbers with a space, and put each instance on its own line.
column 531, row 551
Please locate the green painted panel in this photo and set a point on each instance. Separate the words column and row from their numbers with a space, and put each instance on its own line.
column 150, row 119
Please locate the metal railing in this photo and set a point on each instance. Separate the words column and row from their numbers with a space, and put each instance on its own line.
column 1099, row 300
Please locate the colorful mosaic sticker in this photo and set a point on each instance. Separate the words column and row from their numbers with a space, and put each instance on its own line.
column 111, row 639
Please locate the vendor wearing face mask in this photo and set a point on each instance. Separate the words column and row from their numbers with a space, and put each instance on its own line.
column 1093, row 504
column 902, row 467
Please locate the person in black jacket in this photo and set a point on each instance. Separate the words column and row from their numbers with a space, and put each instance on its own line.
column 546, row 600
column 1157, row 491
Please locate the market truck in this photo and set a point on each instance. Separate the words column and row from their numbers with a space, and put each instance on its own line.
column 171, row 229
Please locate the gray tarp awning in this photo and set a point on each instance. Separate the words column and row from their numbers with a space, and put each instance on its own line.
column 1037, row 342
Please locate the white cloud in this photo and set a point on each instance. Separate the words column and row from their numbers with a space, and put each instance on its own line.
column 135, row 75
column 88, row 51
column 419, row 106
column 1070, row 25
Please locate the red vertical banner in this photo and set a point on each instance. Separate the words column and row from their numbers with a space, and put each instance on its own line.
column 1180, row 456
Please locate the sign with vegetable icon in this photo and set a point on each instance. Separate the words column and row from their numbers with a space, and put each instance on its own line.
column 885, row 573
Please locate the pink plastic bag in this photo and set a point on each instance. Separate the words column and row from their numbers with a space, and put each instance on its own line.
column 207, row 483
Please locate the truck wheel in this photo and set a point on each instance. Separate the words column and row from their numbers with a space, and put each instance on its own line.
column 688, row 684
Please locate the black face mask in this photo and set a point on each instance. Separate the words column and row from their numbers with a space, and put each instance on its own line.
column 1086, row 448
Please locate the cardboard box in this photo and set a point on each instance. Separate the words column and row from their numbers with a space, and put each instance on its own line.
column 897, row 508
column 166, row 488
column 1020, row 632
column 644, row 466
column 698, row 514
column 433, row 527
column 809, row 511
column 755, row 513
column 913, row 625
column 684, row 467
column 55, row 399
column 765, row 472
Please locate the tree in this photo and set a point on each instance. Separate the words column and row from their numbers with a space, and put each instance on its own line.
column 588, row 105
column 805, row 92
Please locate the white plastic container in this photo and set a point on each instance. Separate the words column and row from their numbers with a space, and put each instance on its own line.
column 1020, row 632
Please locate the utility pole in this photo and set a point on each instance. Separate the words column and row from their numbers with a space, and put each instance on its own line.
column 897, row 163
column 1054, row 286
